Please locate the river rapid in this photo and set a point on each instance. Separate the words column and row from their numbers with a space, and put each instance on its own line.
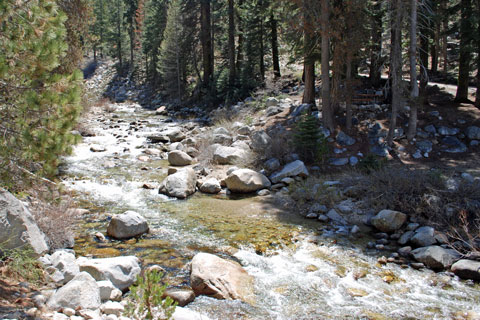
column 302, row 269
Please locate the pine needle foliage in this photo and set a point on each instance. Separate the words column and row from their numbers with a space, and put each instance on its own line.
column 38, row 106
column 147, row 298
column 309, row 141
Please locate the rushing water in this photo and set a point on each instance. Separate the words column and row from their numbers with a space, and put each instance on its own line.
column 302, row 269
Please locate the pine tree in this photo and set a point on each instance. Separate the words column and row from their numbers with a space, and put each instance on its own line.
column 39, row 106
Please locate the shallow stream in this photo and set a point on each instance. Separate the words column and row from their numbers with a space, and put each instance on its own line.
column 300, row 271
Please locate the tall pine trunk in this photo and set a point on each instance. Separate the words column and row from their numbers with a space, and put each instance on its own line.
column 465, row 51
column 206, row 41
column 349, row 90
column 328, row 120
column 396, row 66
column 424, row 51
column 412, row 121
column 308, row 62
column 376, row 47
column 477, row 97
column 444, row 7
column 119, row 33
column 436, row 38
column 240, row 38
column 274, row 40
column 231, row 43
column 262, row 45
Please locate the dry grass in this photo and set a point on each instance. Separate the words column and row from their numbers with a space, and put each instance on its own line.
column 312, row 190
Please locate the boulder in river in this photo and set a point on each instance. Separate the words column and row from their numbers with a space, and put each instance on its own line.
column 121, row 271
column 423, row 237
column 17, row 226
column 435, row 257
column 64, row 261
column 389, row 220
column 127, row 225
column 467, row 269
column 81, row 292
column 220, row 278
column 229, row 155
column 179, row 158
column 181, row 184
column 212, row 186
column 246, row 181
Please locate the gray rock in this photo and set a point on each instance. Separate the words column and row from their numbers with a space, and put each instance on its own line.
column 127, row 225
column 405, row 238
column 97, row 148
column 318, row 208
column 453, row 145
column 181, row 184
column 311, row 215
column 423, row 237
column 244, row 130
column 379, row 150
column 333, row 215
column 220, row 278
column 229, row 155
column 293, row 169
column 353, row 161
column 221, row 130
column 106, row 288
column 246, row 181
column 389, row 220
column 338, row 161
column 186, row 314
column 211, row 186
column 272, row 164
column 271, row 111
column 261, row 141
column 121, row 271
column 431, row 129
column 223, row 139
column 111, row 307
column 175, row 134
column 417, row 154
column 65, row 262
column 81, row 292
column 179, row 158
column 405, row 251
column 17, row 226
column 446, row 131
column 467, row 177
column 435, row 257
column 344, row 140
column 467, row 269
column 425, row 146
column 271, row 102
column 182, row 296
column 473, row 133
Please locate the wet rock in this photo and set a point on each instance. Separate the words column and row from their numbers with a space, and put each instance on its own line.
column 467, row 269
column 127, row 225
column 220, row 278
column 159, row 138
column 65, row 262
column 473, row 133
column 211, row 186
column 293, row 169
column 17, row 226
column 181, row 184
column 97, row 148
column 182, row 296
column 263, row 193
column 179, row 158
column 82, row 292
column 344, row 140
column 389, row 220
column 121, row 271
column 423, row 237
column 435, row 257
column 246, row 181
column 229, row 155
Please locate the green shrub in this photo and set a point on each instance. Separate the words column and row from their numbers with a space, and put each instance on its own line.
column 147, row 298
column 22, row 264
column 371, row 163
column 309, row 142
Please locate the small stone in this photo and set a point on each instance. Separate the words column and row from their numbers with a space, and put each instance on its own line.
column 382, row 260
column 355, row 229
column 323, row 218
column 417, row 265
column 111, row 307
column 355, row 292
column 68, row 311
column 312, row 215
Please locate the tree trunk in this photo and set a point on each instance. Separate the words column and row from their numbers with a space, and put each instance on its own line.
column 396, row 66
column 376, row 47
column 477, row 96
column 274, row 40
column 436, row 38
column 412, row 121
column 308, row 60
column 240, row 39
column 328, row 120
column 444, row 35
column 465, row 51
column 231, row 43
column 132, row 47
column 349, row 91
column 309, row 74
column 119, row 34
column 262, row 46
column 424, row 52
column 101, row 28
column 206, row 41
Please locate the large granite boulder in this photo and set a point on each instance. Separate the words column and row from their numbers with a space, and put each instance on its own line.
column 292, row 169
column 179, row 158
column 121, row 271
column 212, row 186
column 17, row 226
column 66, row 263
column 467, row 269
column 181, row 184
column 81, row 292
column 423, row 237
column 229, row 155
column 220, row 278
column 435, row 257
column 261, row 141
column 246, row 181
column 127, row 225
column 389, row 220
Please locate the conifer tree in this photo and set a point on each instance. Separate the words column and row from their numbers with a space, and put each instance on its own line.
column 39, row 106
